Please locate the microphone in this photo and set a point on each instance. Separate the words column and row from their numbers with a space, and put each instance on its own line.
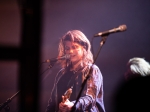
column 67, row 56
column 114, row 30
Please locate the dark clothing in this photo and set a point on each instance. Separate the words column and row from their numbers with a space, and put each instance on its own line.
column 91, row 99
column 133, row 95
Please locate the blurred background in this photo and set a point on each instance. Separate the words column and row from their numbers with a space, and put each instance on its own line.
column 91, row 17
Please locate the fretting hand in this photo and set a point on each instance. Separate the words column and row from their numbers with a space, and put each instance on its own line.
column 65, row 105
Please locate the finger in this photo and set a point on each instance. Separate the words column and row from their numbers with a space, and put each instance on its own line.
column 63, row 100
column 62, row 107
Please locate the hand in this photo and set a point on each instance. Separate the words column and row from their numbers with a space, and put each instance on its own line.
column 65, row 106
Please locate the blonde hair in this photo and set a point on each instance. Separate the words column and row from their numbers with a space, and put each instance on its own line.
column 78, row 37
column 137, row 67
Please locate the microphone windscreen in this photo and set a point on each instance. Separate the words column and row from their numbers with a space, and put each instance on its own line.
column 123, row 27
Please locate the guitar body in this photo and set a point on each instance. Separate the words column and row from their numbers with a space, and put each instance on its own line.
column 66, row 95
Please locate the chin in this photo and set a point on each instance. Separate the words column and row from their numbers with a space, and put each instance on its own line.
column 72, row 60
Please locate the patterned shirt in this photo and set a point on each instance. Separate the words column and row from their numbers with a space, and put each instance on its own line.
column 88, row 79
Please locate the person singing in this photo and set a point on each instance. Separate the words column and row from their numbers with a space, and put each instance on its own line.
column 73, row 73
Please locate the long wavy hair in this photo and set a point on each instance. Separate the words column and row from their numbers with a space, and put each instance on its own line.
column 78, row 37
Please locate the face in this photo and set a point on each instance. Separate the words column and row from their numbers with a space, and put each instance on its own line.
column 75, row 51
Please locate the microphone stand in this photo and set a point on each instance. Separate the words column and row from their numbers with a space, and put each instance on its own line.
column 5, row 104
column 102, row 42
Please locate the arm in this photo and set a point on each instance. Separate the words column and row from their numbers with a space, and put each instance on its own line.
column 93, row 88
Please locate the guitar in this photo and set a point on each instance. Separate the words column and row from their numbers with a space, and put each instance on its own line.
column 67, row 94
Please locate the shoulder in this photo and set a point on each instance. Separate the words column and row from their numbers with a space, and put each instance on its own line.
column 94, row 67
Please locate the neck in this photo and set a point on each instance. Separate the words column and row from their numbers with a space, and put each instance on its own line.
column 77, row 65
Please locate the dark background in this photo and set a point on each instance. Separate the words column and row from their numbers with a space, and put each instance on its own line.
column 90, row 17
